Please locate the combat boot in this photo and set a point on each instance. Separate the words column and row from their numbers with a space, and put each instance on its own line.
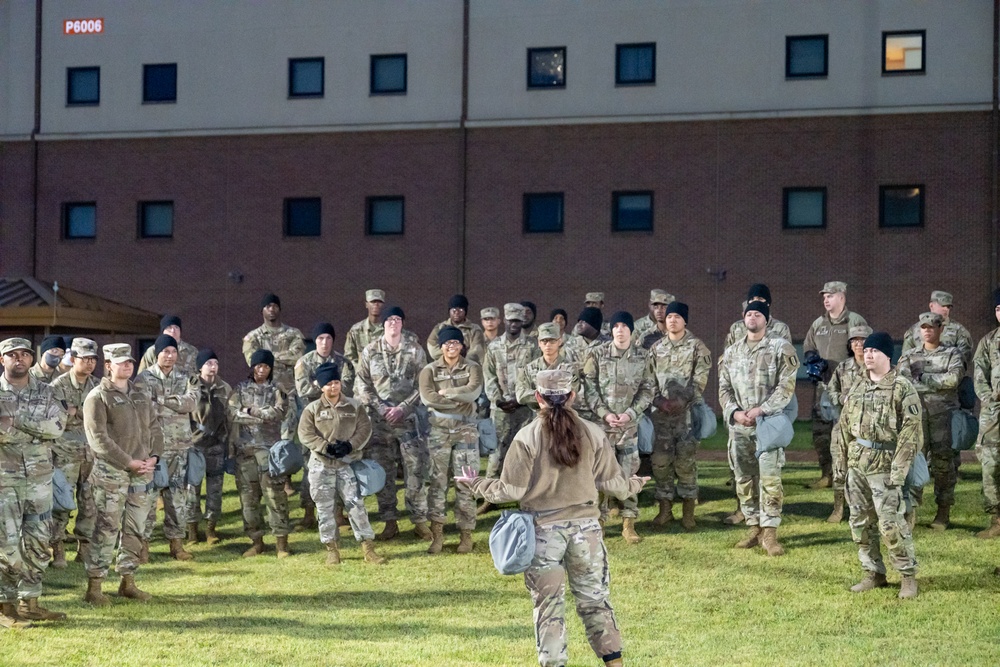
column 144, row 553
column 942, row 517
column 437, row 538
column 128, row 589
column 751, row 539
column 368, row 549
column 308, row 520
column 666, row 514
column 824, row 482
column 617, row 662
column 10, row 619
column 30, row 609
column 737, row 517
column 485, row 508
column 390, row 531
column 687, row 517
column 628, row 531
column 256, row 549
column 94, row 594
column 58, row 555
column 992, row 531
column 769, row 541
column 872, row 580
column 192, row 536
column 281, row 546
column 212, row 537
column 908, row 588
column 837, row 515
column 422, row 531
column 465, row 542
column 177, row 551
column 81, row 552
column 332, row 553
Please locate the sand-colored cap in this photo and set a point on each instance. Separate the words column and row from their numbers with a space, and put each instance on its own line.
column 594, row 296
column 9, row 345
column 862, row 331
column 83, row 348
column 489, row 313
column 558, row 381
column 659, row 296
column 116, row 353
column 375, row 295
column 514, row 311
column 942, row 298
column 834, row 287
column 548, row 331
column 931, row 319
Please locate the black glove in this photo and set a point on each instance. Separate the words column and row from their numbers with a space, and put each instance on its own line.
column 339, row 449
column 815, row 366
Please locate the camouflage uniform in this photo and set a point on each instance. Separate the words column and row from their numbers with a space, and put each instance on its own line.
column 987, row 382
column 46, row 377
column 618, row 382
column 679, row 370
column 579, row 347
column 174, row 401
column 287, row 346
column 250, row 443
column 504, row 357
column 187, row 359
column 525, row 387
column 322, row 424
column 953, row 335
column 450, row 393
column 210, row 423
column 37, row 418
column 880, row 432
column 388, row 378
column 775, row 329
column 362, row 333
column 475, row 342
column 753, row 375
column 844, row 377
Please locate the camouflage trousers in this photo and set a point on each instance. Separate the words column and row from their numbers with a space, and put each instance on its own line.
column 507, row 425
column 215, row 461
column 449, row 450
column 573, row 549
column 25, row 515
column 626, row 444
column 877, row 510
column 305, row 491
column 388, row 444
column 123, row 503
column 758, row 481
column 837, row 458
column 941, row 458
column 175, row 497
column 675, row 467
column 330, row 482
column 76, row 464
column 989, row 457
column 254, row 482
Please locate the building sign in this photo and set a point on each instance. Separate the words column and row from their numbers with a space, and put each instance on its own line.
column 82, row 26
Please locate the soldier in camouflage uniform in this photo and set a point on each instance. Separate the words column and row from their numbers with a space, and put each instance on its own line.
column 386, row 385
column 775, row 327
column 986, row 367
column 70, row 453
column 618, row 388
column 31, row 418
column 880, row 432
column 369, row 329
column 757, row 378
column 530, row 319
column 449, row 387
column 335, row 428
column 935, row 371
column 210, row 423
column 187, row 354
column 678, row 366
column 489, row 318
column 553, row 358
column 257, row 410
column 596, row 300
column 844, row 377
column 475, row 344
column 175, row 400
column 586, row 333
column 652, row 327
column 953, row 334
column 123, row 433
column 51, row 353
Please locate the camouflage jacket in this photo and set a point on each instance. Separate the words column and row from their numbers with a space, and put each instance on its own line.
column 617, row 381
column 388, row 378
column 525, row 386
column 322, row 424
column 286, row 344
column 475, row 342
column 187, row 359
column 986, row 366
column 174, row 400
column 32, row 417
column 829, row 338
column 210, row 418
column 953, row 335
column 680, row 369
column 579, row 347
column 503, row 359
column 48, row 378
column 775, row 329
column 844, row 376
column 362, row 333
column 760, row 375
column 450, row 391
column 256, row 412
column 886, row 413
column 935, row 374
column 305, row 375
column 121, row 426
column 72, row 395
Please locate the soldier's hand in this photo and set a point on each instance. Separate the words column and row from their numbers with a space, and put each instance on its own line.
column 137, row 467
column 468, row 474
column 611, row 419
column 641, row 479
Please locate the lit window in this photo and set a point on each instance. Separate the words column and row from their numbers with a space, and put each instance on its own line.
column 806, row 56
column 901, row 206
column 80, row 220
column 388, row 74
column 635, row 64
column 547, row 67
column 543, row 212
column 903, row 52
column 804, row 208
column 305, row 77
column 632, row 211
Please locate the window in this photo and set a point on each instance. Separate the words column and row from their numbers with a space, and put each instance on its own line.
column 903, row 52
column 543, row 212
column 159, row 83
column 388, row 74
column 384, row 215
column 804, row 208
column 302, row 216
column 635, row 64
column 156, row 219
column 83, row 85
column 632, row 211
column 547, row 67
column 305, row 77
column 901, row 206
column 806, row 56
column 79, row 220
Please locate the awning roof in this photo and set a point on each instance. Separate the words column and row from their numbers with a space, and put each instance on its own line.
column 26, row 302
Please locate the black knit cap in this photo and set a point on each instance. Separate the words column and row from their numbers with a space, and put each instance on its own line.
column 450, row 333
column 679, row 308
column 52, row 342
column 323, row 328
column 170, row 321
column 558, row 311
column 759, row 290
column 458, row 301
column 327, row 373
column 268, row 299
column 592, row 316
column 262, row 357
column 623, row 317
column 393, row 311
column 880, row 341
column 530, row 305
column 996, row 297
column 163, row 341
column 204, row 356
column 760, row 307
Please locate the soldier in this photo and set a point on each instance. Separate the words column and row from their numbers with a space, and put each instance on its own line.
column 757, row 378
column 653, row 323
column 70, row 453
column 387, row 385
column 475, row 344
column 986, row 368
column 489, row 318
column 553, row 358
column 679, row 365
column 51, row 353
column 827, row 341
column 618, row 389
column 530, row 315
column 364, row 332
column 845, row 376
column 336, row 428
column 174, row 401
column 880, row 432
column 953, row 334
column 187, row 354
column 559, row 317
column 449, row 387
column 775, row 327
column 935, row 371
column 586, row 332
column 257, row 410
column 596, row 300
column 123, row 433
column 210, row 423
column 31, row 418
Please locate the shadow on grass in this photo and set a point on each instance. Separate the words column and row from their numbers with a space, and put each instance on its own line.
column 808, row 508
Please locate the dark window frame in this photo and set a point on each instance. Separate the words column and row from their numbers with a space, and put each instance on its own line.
column 145, row 73
column 882, row 189
column 142, row 214
column 923, row 52
column 615, row 198
column 789, row 39
column 70, row 71
column 618, row 57
column 526, row 199
column 292, row 62
column 559, row 86
column 784, row 207
column 286, row 218
column 371, row 73
column 66, row 206
column 371, row 202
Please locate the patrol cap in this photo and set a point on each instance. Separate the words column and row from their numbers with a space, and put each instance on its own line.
column 557, row 381
column 117, row 353
column 9, row 345
column 834, row 287
column 489, row 313
column 659, row 296
column 548, row 331
column 375, row 295
column 942, row 298
column 594, row 296
column 513, row 311
column 83, row 348
column 931, row 320
column 862, row 331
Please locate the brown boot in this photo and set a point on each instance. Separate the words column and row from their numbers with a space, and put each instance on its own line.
column 751, row 539
column 281, row 546
column 617, row 662
column 192, row 536
column 871, row 581
column 942, row 517
column 908, row 588
column 308, row 520
column 212, row 537
column 128, row 589
column 10, row 619
column 687, row 516
column 666, row 514
column 94, row 594
column 144, row 553
column 824, row 482
column 256, row 549
column 736, row 518
column 837, row 515
column 177, row 551
column 58, row 555
column 32, row 611
column 422, row 531
column 437, row 538
column 485, row 508
column 992, row 531
column 339, row 518
column 769, row 540
column 465, row 542
column 628, row 531
column 332, row 553
column 390, row 531
column 81, row 552
column 368, row 549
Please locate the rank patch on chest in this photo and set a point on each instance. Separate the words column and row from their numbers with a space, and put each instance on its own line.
column 324, row 414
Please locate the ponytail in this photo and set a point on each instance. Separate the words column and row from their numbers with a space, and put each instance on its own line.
column 562, row 430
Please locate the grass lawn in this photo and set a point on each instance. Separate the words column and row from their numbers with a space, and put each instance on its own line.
column 685, row 599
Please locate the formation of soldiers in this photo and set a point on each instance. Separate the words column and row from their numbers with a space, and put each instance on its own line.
column 116, row 446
